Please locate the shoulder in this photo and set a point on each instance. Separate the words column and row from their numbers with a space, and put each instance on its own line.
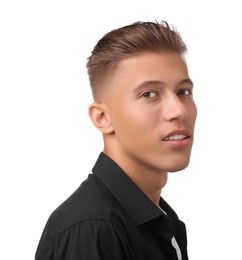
column 83, row 215
column 87, row 239
column 91, row 199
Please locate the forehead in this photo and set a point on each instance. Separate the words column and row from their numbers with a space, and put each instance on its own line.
column 168, row 67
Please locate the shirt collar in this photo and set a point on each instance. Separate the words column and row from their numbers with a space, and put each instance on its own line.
column 138, row 206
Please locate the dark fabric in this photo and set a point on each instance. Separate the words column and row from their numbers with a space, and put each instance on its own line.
column 109, row 218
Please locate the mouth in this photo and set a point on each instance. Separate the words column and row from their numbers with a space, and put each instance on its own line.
column 178, row 138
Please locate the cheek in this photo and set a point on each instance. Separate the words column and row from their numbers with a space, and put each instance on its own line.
column 194, row 114
column 191, row 109
column 134, row 119
column 132, row 123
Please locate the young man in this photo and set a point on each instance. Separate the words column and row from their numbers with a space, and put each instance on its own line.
column 143, row 106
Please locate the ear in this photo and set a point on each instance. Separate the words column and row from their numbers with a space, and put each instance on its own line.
column 100, row 118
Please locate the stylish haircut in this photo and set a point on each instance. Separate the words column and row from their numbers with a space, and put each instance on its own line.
column 134, row 39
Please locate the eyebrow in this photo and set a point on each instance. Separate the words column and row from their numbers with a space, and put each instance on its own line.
column 186, row 81
column 159, row 82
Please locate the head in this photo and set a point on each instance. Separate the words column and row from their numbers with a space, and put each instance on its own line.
column 142, row 93
column 128, row 41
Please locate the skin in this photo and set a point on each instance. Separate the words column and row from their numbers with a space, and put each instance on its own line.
column 147, row 97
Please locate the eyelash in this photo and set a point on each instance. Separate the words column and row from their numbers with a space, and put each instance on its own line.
column 147, row 94
column 152, row 94
column 180, row 92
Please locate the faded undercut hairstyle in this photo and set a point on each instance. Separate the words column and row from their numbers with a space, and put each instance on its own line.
column 128, row 41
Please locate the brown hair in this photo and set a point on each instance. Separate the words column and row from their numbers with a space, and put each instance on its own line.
column 128, row 41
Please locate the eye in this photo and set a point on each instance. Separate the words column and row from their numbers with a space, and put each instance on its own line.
column 149, row 94
column 184, row 92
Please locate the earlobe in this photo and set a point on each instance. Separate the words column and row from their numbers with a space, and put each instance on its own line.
column 100, row 118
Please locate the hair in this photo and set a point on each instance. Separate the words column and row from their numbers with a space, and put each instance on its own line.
column 128, row 41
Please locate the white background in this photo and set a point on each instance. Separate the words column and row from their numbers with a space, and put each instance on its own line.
column 48, row 144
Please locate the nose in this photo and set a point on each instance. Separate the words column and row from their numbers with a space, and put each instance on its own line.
column 175, row 108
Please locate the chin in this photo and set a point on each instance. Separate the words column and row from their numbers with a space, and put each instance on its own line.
column 179, row 166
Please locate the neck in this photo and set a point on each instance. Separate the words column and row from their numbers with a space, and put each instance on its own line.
column 150, row 181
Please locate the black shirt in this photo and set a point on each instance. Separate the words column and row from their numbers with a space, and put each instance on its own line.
column 109, row 218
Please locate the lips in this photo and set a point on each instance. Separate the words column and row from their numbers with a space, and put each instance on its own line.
column 175, row 138
column 178, row 135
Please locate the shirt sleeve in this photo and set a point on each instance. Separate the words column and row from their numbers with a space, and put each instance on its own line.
column 87, row 240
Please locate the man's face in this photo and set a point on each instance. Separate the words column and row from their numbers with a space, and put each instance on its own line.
column 152, row 112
